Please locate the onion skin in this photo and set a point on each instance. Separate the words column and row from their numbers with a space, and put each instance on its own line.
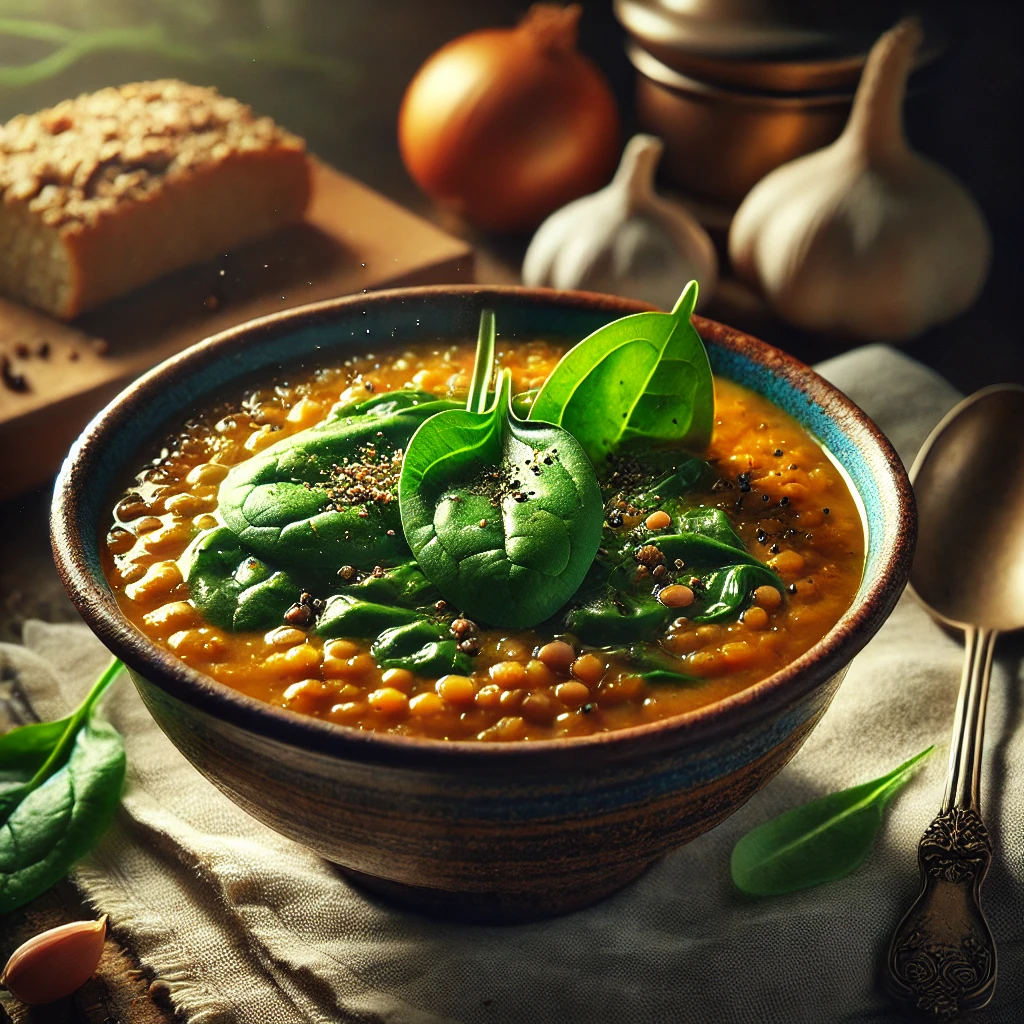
column 503, row 126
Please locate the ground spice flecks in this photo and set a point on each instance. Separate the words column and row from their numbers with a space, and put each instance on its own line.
column 371, row 477
column 497, row 483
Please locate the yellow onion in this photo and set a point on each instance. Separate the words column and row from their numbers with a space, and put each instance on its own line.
column 505, row 125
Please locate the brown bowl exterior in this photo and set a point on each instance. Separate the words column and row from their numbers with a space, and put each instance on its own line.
column 509, row 831
column 491, row 844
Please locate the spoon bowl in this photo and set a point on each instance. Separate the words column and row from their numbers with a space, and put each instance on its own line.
column 969, row 483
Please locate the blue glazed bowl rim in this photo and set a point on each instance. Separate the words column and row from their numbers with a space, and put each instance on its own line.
column 76, row 509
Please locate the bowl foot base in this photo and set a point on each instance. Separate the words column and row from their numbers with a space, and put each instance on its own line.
column 507, row 907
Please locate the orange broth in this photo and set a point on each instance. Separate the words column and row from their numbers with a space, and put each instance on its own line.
column 791, row 508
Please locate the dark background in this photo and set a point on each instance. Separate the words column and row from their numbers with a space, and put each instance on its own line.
column 335, row 72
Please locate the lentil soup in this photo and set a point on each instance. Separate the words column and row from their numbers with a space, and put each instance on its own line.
column 764, row 477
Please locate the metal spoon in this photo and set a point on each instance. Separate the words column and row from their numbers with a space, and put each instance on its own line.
column 969, row 574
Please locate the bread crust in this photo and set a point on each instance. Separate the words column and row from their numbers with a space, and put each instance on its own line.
column 113, row 189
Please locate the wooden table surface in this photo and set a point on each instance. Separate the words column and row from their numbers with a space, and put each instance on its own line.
column 342, row 94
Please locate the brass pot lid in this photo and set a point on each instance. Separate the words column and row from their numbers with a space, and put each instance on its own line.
column 781, row 46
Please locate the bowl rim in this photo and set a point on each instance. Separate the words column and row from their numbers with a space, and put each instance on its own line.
column 770, row 697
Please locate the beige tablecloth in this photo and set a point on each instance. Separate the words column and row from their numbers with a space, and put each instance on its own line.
column 241, row 925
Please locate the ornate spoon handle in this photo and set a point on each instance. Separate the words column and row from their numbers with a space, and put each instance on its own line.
column 942, row 956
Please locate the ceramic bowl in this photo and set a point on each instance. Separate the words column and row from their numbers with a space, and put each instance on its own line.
column 488, row 831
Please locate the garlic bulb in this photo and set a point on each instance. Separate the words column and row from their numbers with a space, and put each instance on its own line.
column 624, row 239
column 865, row 237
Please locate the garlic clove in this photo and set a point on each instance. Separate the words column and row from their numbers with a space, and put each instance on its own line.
column 865, row 237
column 55, row 963
column 624, row 239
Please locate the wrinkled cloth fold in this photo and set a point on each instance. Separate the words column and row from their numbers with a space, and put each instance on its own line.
column 242, row 925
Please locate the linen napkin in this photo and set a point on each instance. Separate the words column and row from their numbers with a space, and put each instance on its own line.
column 241, row 925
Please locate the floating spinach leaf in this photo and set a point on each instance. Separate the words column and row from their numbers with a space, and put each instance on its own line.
column 699, row 552
column 348, row 616
column 325, row 497
column 654, row 665
column 712, row 523
column 383, row 404
column 728, row 592
column 685, row 476
column 60, row 783
column 616, row 617
column 818, row 842
column 405, row 585
column 425, row 647
column 503, row 515
column 644, row 379
column 231, row 587
column 616, row 605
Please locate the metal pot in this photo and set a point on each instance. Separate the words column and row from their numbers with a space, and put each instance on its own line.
column 737, row 87
column 720, row 142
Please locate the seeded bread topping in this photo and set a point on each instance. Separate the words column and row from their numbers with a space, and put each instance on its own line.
column 84, row 157
column 109, row 191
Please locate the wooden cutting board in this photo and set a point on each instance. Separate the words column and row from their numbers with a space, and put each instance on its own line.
column 56, row 375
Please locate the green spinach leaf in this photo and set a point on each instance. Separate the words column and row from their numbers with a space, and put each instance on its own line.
column 655, row 665
column 404, row 585
column 523, row 403
column 503, row 515
column 643, row 380
column 231, row 587
column 325, row 497
column 61, row 783
column 346, row 615
column 617, row 605
column 685, row 475
column 699, row 552
column 818, row 842
column 728, row 592
column 712, row 523
column 424, row 646
column 383, row 404
column 613, row 616
column 26, row 748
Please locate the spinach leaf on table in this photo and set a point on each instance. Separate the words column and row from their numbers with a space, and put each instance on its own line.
column 324, row 497
column 818, row 842
column 640, row 380
column 503, row 515
column 61, row 783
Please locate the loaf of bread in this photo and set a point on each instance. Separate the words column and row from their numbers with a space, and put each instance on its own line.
column 110, row 190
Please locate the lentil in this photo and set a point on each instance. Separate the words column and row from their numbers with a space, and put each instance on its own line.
column 589, row 668
column 456, row 689
column 658, row 520
column 676, row 595
column 388, row 701
column 557, row 655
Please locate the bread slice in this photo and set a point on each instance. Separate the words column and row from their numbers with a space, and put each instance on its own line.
column 110, row 190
